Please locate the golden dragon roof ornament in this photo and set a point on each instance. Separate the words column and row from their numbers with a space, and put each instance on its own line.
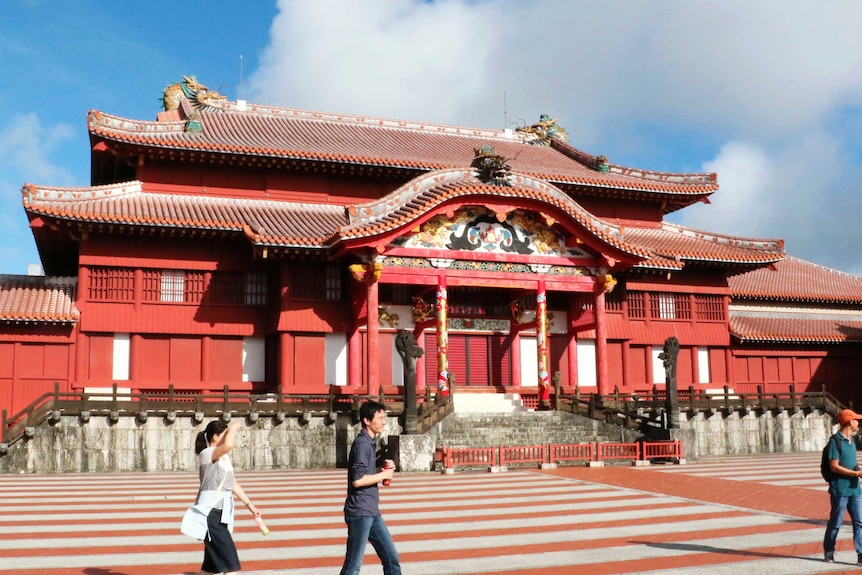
column 542, row 132
column 198, row 95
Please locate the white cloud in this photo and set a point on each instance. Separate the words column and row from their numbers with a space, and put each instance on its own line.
column 768, row 82
column 746, row 176
column 26, row 149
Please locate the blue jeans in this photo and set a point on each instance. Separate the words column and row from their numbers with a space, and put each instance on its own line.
column 360, row 530
column 840, row 505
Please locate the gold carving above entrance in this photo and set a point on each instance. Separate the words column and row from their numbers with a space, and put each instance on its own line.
column 477, row 229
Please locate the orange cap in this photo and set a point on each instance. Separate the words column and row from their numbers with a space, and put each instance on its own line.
column 845, row 416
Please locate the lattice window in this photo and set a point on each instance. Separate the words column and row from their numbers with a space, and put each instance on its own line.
column 636, row 305
column 173, row 286
column 317, row 282
column 111, row 284
column 614, row 300
column 238, row 288
column 710, row 307
column 256, row 288
column 669, row 306
column 334, row 283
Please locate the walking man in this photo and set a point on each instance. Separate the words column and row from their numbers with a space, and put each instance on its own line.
column 845, row 493
column 362, row 507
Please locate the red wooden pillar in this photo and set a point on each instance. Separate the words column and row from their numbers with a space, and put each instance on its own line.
column 372, row 359
column 728, row 362
column 515, row 353
column 354, row 359
column 82, row 354
column 442, row 304
column 136, row 343
column 206, row 360
column 572, row 343
column 286, row 352
column 542, row 346
column 572, row 356
column 627, row 384
column 602, row 384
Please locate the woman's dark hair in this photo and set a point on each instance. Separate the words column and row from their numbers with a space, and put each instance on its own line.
column 204, row 437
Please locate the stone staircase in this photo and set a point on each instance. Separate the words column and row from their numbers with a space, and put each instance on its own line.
column 490, row 420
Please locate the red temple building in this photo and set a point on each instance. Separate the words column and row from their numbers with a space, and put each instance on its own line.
column 267, row 249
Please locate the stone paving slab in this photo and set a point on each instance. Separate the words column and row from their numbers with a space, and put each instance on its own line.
column 747, row 515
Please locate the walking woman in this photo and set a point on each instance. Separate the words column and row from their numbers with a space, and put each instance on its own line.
column 218, row 484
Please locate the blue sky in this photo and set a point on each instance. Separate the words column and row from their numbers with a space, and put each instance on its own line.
column 767, row 94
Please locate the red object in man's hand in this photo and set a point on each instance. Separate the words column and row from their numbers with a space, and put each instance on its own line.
column 389, row 465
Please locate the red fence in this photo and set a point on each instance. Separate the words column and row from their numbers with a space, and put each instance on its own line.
column 560, row 452
column 553, row 453
column 521, row 454
column 607, row 451
column 469, row 457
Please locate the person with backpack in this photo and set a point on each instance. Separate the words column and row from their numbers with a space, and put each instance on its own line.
column 845, row 493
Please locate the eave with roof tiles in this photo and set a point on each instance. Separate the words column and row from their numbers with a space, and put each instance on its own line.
column 29, row 299
column 670, row 242
column 793, row 279
column 792, row 328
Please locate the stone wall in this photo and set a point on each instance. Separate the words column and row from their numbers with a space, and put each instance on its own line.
column 753, row 431
column 101, row 446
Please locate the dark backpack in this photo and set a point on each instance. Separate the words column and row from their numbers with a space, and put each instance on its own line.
column 825, row 467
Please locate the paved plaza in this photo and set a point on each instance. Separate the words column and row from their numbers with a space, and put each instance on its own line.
column 741, row 515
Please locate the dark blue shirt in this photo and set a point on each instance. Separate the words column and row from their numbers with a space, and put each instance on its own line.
column 362, row 501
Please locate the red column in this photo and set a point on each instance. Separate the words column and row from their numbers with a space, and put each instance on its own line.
column 542, row 346
column 206, row 360
column 286, row 353
column 372, row 358
column 572, row 355
column 354, row 359
column 442, row 304
column 515, row 353
column 82, row 354
column 601, row 346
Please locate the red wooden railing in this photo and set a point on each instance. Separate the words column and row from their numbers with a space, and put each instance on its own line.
column 469, row 457
column 560, row 452
column 465, row 457
column 521, row 454
column 662, row 450
column 607, row 451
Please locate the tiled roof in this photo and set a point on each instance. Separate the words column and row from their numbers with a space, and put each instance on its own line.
column 264, row 222
column 38, row 299
column 793, row 279
column 678, row 244
column 302, row 225
column 424, row 193
column 778, row 327
column 302, row 135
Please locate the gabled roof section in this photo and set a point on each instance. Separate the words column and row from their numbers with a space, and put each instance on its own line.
column 241, row 130
column 793, row 279
column 427, row 193
column 674, row 246
column 38, row 299
column 263, row 222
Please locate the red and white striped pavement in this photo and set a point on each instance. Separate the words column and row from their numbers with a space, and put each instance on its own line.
column 567, row 521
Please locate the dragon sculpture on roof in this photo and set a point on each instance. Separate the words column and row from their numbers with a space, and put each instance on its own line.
column 542, row 132
column 198, row 95
column 491, row 167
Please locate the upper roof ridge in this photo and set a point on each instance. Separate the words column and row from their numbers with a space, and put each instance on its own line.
column 57, row 193
column 737, row 241
column 357, row 119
